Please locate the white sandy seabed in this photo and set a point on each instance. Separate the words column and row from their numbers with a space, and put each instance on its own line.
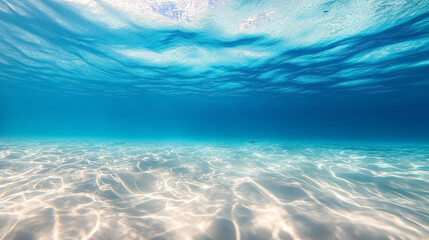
column 120, row 190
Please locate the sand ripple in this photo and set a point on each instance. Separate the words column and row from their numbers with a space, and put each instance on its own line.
column 111, row 190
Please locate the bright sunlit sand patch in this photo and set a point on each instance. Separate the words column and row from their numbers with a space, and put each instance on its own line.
column 101, row 190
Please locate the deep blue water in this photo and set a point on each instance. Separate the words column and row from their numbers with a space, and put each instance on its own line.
column 214, row 119
column 332, row 69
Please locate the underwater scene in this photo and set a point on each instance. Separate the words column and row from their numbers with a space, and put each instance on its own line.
column 214, row 119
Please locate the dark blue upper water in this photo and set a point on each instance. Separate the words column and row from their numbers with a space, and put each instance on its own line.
column 215, row 69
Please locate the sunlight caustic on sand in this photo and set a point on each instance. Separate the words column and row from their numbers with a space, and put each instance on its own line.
column 102, row 190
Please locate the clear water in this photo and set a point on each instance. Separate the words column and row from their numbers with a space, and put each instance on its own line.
column 118, row 190
column 214, row 119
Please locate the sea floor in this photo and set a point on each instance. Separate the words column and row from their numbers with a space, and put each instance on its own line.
column 137, row 190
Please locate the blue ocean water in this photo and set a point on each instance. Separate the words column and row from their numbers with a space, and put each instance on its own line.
column 214, row 119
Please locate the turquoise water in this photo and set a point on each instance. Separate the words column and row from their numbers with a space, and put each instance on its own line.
column 212, row 119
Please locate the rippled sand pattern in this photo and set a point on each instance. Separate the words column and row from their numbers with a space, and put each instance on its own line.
column 212, row 191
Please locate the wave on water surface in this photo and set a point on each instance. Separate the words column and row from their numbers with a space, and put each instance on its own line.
column 215, row 47
column 213, row 69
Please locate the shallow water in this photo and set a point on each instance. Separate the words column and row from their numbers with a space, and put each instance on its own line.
column 182, row 190
column 77, row 75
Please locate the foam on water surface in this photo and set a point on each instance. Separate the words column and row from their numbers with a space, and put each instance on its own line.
column 129, row 190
